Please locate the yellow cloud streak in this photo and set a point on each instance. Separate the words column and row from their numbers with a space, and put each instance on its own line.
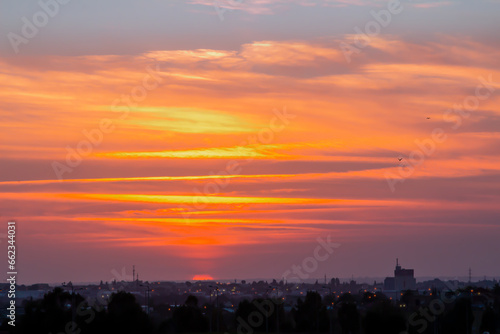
column 150, row 178
column 187, row 199
column 217, row 153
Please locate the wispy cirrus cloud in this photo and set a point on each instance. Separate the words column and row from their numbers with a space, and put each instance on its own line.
column 268, row 7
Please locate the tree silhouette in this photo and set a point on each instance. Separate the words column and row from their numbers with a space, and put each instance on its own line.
column 125, row 315
column 311, row 313
column 348, row 317
column 384, row 318
column 53, row 313
column 489, row 321
column 459, row 320
column 189, row 318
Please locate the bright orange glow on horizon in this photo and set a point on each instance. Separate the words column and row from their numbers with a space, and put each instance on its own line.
column 202, row 278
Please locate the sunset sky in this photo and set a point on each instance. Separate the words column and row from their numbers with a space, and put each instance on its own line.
column 222, row 138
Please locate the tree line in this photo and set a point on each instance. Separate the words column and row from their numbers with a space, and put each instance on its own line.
column 60, row 312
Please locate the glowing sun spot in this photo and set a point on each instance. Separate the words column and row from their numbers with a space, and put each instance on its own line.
column 202, row 278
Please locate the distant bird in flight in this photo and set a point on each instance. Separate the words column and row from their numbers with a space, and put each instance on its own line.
column 428, row 118
column 400, row 159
